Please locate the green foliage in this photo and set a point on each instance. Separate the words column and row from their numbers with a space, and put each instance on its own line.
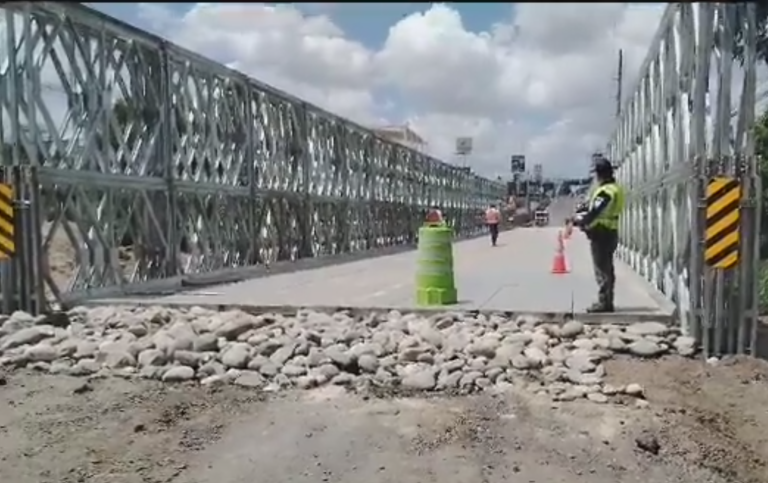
column 761, row 150
column 761, row 144
column 763, row 286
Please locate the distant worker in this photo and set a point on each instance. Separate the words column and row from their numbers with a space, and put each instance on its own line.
column 492, row 219
column 435, row 216
column 599, row 219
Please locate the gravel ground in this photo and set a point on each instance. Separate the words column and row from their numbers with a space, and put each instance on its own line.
column 456, row 398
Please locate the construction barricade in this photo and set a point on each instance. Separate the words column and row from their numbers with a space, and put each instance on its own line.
column 435, row 282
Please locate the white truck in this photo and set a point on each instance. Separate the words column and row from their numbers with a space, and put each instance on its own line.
column 541, row 217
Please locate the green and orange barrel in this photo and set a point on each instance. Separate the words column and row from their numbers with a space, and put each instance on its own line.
column 435, row 282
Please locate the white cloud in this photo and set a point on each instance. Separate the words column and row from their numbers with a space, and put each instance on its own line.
column 445, row 69
column 540, row 83
column 279, row 45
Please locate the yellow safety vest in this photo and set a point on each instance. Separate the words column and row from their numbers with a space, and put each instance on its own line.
column 609, row 218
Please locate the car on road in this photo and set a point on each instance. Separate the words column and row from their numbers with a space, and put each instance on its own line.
column 541, row 217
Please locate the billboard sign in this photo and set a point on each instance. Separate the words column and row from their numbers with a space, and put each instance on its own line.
column 517, row 163
column 463, row 146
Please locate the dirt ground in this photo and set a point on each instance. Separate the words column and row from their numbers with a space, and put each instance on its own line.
column 708, row 424
column 713, row 417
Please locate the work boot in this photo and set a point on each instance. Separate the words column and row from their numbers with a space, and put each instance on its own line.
column 600, row 308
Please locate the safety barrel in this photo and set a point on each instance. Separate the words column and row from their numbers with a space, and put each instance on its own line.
column 435, row 283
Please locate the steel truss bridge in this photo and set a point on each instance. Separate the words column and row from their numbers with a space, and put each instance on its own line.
column 156, row 167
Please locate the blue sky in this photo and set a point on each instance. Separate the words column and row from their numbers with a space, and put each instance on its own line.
column 368, row 23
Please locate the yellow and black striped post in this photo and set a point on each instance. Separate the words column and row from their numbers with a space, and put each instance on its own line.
column 721, row 238
column 7, row 223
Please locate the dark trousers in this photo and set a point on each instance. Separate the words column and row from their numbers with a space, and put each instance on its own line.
column 494, row 229
column 603, row 244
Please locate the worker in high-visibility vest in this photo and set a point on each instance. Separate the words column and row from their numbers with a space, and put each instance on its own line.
column 492, row 219
column 600, row 222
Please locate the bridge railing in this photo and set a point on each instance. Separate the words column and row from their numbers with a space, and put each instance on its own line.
column 147, row 164
column 691, row 222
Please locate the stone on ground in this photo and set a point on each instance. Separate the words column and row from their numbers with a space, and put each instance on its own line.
column 391, row 350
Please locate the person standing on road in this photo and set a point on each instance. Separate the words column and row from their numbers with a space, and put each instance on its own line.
column 600, row 221
column 492, row 219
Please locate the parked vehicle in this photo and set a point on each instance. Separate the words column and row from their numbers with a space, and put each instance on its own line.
column 541, row 218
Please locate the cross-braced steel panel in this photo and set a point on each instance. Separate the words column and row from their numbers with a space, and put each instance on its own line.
column 675, row 134
column 150, row 163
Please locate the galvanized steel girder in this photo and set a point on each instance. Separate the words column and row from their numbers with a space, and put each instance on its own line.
column 157, row 162
column 677, row 129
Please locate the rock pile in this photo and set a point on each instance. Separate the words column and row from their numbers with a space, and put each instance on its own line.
column 448, row 351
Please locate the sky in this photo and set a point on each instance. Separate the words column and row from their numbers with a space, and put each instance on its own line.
column 536, row 79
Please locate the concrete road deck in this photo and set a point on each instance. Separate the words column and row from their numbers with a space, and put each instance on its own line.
column 514, row 276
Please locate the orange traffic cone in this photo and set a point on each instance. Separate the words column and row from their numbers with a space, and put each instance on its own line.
column 559, row 265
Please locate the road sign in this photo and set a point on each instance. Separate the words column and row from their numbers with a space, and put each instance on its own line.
column 517, row 163
column 463, row 146
column 538, row 172
column 721, row 238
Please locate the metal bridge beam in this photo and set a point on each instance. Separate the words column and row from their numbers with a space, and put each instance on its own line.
column 676, row 137
column 152, row 163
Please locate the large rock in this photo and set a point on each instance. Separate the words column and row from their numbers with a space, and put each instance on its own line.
column 645, row 348
column 270, row 352
column 26, row 336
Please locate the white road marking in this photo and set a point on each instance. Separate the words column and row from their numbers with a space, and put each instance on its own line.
column 389, row 289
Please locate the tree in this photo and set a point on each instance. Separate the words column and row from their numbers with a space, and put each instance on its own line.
column 761, row 150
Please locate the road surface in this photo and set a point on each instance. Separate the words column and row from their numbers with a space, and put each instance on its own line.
column 514, row 276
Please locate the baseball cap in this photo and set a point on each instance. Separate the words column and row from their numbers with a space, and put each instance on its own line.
column 602, row 165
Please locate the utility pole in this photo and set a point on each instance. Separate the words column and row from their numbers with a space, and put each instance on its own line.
column 619, row 81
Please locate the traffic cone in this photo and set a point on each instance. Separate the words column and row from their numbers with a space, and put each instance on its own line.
column 559, row 266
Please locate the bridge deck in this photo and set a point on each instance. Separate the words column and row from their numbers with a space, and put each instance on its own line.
column 514, row 276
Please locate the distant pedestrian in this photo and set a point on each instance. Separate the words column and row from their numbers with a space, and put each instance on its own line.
column 492, row 219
